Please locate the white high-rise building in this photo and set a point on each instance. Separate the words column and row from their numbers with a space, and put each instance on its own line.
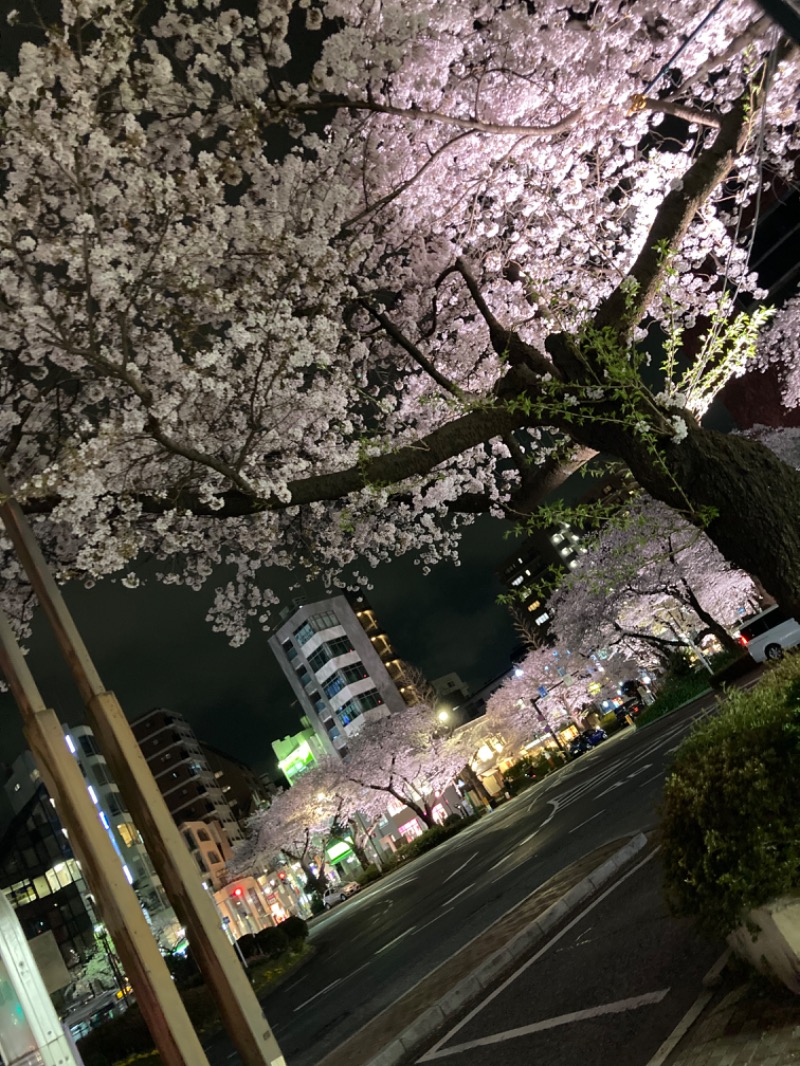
column 340, row 665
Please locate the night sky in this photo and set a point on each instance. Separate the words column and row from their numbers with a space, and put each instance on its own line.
column 153, row 647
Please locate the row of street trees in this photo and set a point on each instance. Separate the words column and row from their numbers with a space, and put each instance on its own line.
column 648, row 587
column 404, row 757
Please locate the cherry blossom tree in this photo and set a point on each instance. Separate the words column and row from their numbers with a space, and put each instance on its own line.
column 298, row 823
column 779, row 347
column 409, row 757
column 547, row 690
column 648, row 577
column 281, row 296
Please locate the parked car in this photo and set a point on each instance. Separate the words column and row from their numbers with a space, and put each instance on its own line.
column 766, row 635
column 339, row 893
column 631, row 708
column 586, row 741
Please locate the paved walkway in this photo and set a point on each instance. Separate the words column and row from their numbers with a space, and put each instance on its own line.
column 751, row 1024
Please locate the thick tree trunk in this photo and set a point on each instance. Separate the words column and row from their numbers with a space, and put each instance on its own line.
column 755, row 499
column 712, row 625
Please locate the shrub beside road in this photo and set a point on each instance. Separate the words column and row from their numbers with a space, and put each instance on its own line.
column 729, row 819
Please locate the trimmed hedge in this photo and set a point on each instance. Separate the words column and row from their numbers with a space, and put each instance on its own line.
column 729, row 814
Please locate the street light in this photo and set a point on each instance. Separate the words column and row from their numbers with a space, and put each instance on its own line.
column 443, row 716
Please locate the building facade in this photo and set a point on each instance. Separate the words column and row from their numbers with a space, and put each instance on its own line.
column 341, row 667
column 532, row 571
column 23, row 788
column 241, row 786
column 189, row 786
column 41, row 877
column 299, row 752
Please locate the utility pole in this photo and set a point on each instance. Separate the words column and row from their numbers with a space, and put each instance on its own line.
column 236, row 1001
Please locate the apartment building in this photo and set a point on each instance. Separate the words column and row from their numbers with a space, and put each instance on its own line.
column 189, row 786
column 341, row 666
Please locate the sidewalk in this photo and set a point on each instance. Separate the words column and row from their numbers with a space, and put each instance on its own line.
column 743, row 1024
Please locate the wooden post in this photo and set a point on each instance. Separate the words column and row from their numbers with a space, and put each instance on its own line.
column 158, row 999
column 237, row 1003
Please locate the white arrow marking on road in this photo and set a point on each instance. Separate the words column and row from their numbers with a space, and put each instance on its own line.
column 577, row 827
column 617, row 784
column 641, row 770
column 461, row 867
column 322, row 993
column 619, row 1007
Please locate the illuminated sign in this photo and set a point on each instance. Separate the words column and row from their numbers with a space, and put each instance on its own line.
column 337, row 850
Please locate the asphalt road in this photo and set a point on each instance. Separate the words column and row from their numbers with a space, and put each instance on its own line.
column 377, row 945
column 608, row 988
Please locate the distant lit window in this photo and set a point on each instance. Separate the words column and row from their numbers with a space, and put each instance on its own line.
column 556, row 538
column 517, row 581
column 542, row 618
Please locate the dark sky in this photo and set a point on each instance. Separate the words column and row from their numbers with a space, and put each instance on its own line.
column 153, row 647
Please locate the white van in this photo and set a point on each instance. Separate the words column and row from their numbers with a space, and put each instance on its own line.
column 767, row 634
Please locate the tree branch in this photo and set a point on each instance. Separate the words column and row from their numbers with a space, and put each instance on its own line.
column 624, row 307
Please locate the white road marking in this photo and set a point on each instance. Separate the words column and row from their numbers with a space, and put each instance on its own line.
column 577, row 827
column 434, row 1052
column 441, row 914
column 617, row 784
column 505, row 858
column 461, row 867
column 649, row 779
column 619, row 1007
column 393, row 942
column 530, row 836
column 641, row 770
column 461, row 893
column 322, row 993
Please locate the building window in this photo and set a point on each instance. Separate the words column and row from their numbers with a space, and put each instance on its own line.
column 354, row 672
column 318, row 658
column 88, row 745
column 128, row 833
column 203, row 835
column 370, row 699
column 339, row 646
column 303, row 676
column 289, row 649
column 303, row 634
column 336, row 684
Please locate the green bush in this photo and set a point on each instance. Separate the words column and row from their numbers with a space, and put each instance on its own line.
column 520, row 775
column 268, row 942
column 293, row 928
column 729, row 814
column 674, row 693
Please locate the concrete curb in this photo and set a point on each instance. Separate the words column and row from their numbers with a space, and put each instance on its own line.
column 495, row 965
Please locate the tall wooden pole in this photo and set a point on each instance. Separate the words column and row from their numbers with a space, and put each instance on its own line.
column 158, row 999
column 237, row 1003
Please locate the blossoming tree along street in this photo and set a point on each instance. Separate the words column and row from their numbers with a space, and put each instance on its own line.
column 266, row 308
column 643, row 569
column 400, row 756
